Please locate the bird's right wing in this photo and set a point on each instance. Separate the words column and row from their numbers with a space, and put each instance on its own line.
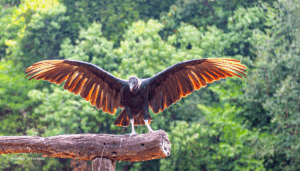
column 181, row 79
column 93, row 83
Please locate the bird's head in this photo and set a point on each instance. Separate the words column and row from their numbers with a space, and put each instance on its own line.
column 134, row 83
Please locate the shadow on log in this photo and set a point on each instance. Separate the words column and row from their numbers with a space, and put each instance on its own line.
column 139, row 147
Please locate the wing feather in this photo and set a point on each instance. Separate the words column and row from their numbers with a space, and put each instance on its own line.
column 94, row 94
column 181, row 79
column 90, row 91
column 195, row 81
column 69, row 80
column 168, row 93
column 92, row 83
column 86, row 88
column 108, row 106
column 173, row 91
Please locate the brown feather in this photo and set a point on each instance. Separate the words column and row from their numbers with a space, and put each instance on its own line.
column 61, row 79
column 153, row 105
column 228, row 71
column 161, row 99
column 196, row 83
column 168, row 93
column 200, row 78
column 94, row 95
column 60, row 75
column 103, row 100
column 155, row 101
column 212, row 74
column 224, row 72
column 79, row 85
column 42, row 74
column 34, row 70
column 217, row 72
column 104, row 108
column 158, row 101
column 88, row 97
column 184, row 84
column 97, row 104
column 186, row 74
column 112, row 101
column 181, row 91
column 86, row 88
column 81, row 77
column 239, row 70
column 118, row 100
column 74, row 82
column 70, row 78
column 206, row 77
column 101, row 97
column 50, row 76
column 174, row 93
column 108, row 109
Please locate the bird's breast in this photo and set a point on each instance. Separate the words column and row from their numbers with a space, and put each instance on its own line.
column 135, row 100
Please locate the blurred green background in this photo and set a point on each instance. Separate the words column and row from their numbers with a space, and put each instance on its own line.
column 233, row 124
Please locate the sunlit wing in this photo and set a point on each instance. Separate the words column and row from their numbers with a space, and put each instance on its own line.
column 94, row 84
column 181, row 79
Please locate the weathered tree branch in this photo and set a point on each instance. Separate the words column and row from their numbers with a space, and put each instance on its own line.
column 90, row 146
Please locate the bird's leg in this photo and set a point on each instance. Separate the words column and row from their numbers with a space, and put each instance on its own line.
column 146, row 117
column 132, row 127
column 129, row 113
column 148, row 126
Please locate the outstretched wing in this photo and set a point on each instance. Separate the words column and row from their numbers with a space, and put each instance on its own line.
column 94, row 84
column 181, row 79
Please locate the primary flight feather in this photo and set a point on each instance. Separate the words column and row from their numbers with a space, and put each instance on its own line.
column 108, row 92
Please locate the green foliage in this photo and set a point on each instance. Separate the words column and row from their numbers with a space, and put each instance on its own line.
column 143, row 50
column 16, row 117
column 91, row 46
column 219, row 144
column 273, row 89
column 232, row 124
column 43, row 36
column 242, row 25
column 6, row 12
column 14, row 103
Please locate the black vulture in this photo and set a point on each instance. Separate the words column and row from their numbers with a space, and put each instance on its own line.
column 108, row 92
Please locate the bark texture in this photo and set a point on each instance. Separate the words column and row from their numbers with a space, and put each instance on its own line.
column 140, row 147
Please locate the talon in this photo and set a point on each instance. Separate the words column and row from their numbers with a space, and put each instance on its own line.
column 132, row 134
column 151, row 131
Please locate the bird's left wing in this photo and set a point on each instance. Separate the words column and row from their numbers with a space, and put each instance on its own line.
column 181, row 79
column 93, row 83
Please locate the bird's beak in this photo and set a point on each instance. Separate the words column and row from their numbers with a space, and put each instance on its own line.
column 131, row 86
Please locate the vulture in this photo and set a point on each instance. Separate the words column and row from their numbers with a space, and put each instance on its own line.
column 135, row 95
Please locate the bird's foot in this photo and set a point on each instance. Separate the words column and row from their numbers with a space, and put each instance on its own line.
column 132, row 134
column 151, row 131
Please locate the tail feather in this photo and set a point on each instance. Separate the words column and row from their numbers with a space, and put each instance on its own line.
column 123, row 119
column 139, row 120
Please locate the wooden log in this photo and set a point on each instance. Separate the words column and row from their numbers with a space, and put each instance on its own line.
column 139, row 147
column 103, row 164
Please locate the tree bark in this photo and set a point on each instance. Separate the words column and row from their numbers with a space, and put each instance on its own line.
column 139, row 147
column 103, row 164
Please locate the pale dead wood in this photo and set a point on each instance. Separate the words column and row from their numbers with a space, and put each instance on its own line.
column 140, row 147
column 103, row 164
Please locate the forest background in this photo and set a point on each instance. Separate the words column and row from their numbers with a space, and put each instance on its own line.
column 233, row 124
